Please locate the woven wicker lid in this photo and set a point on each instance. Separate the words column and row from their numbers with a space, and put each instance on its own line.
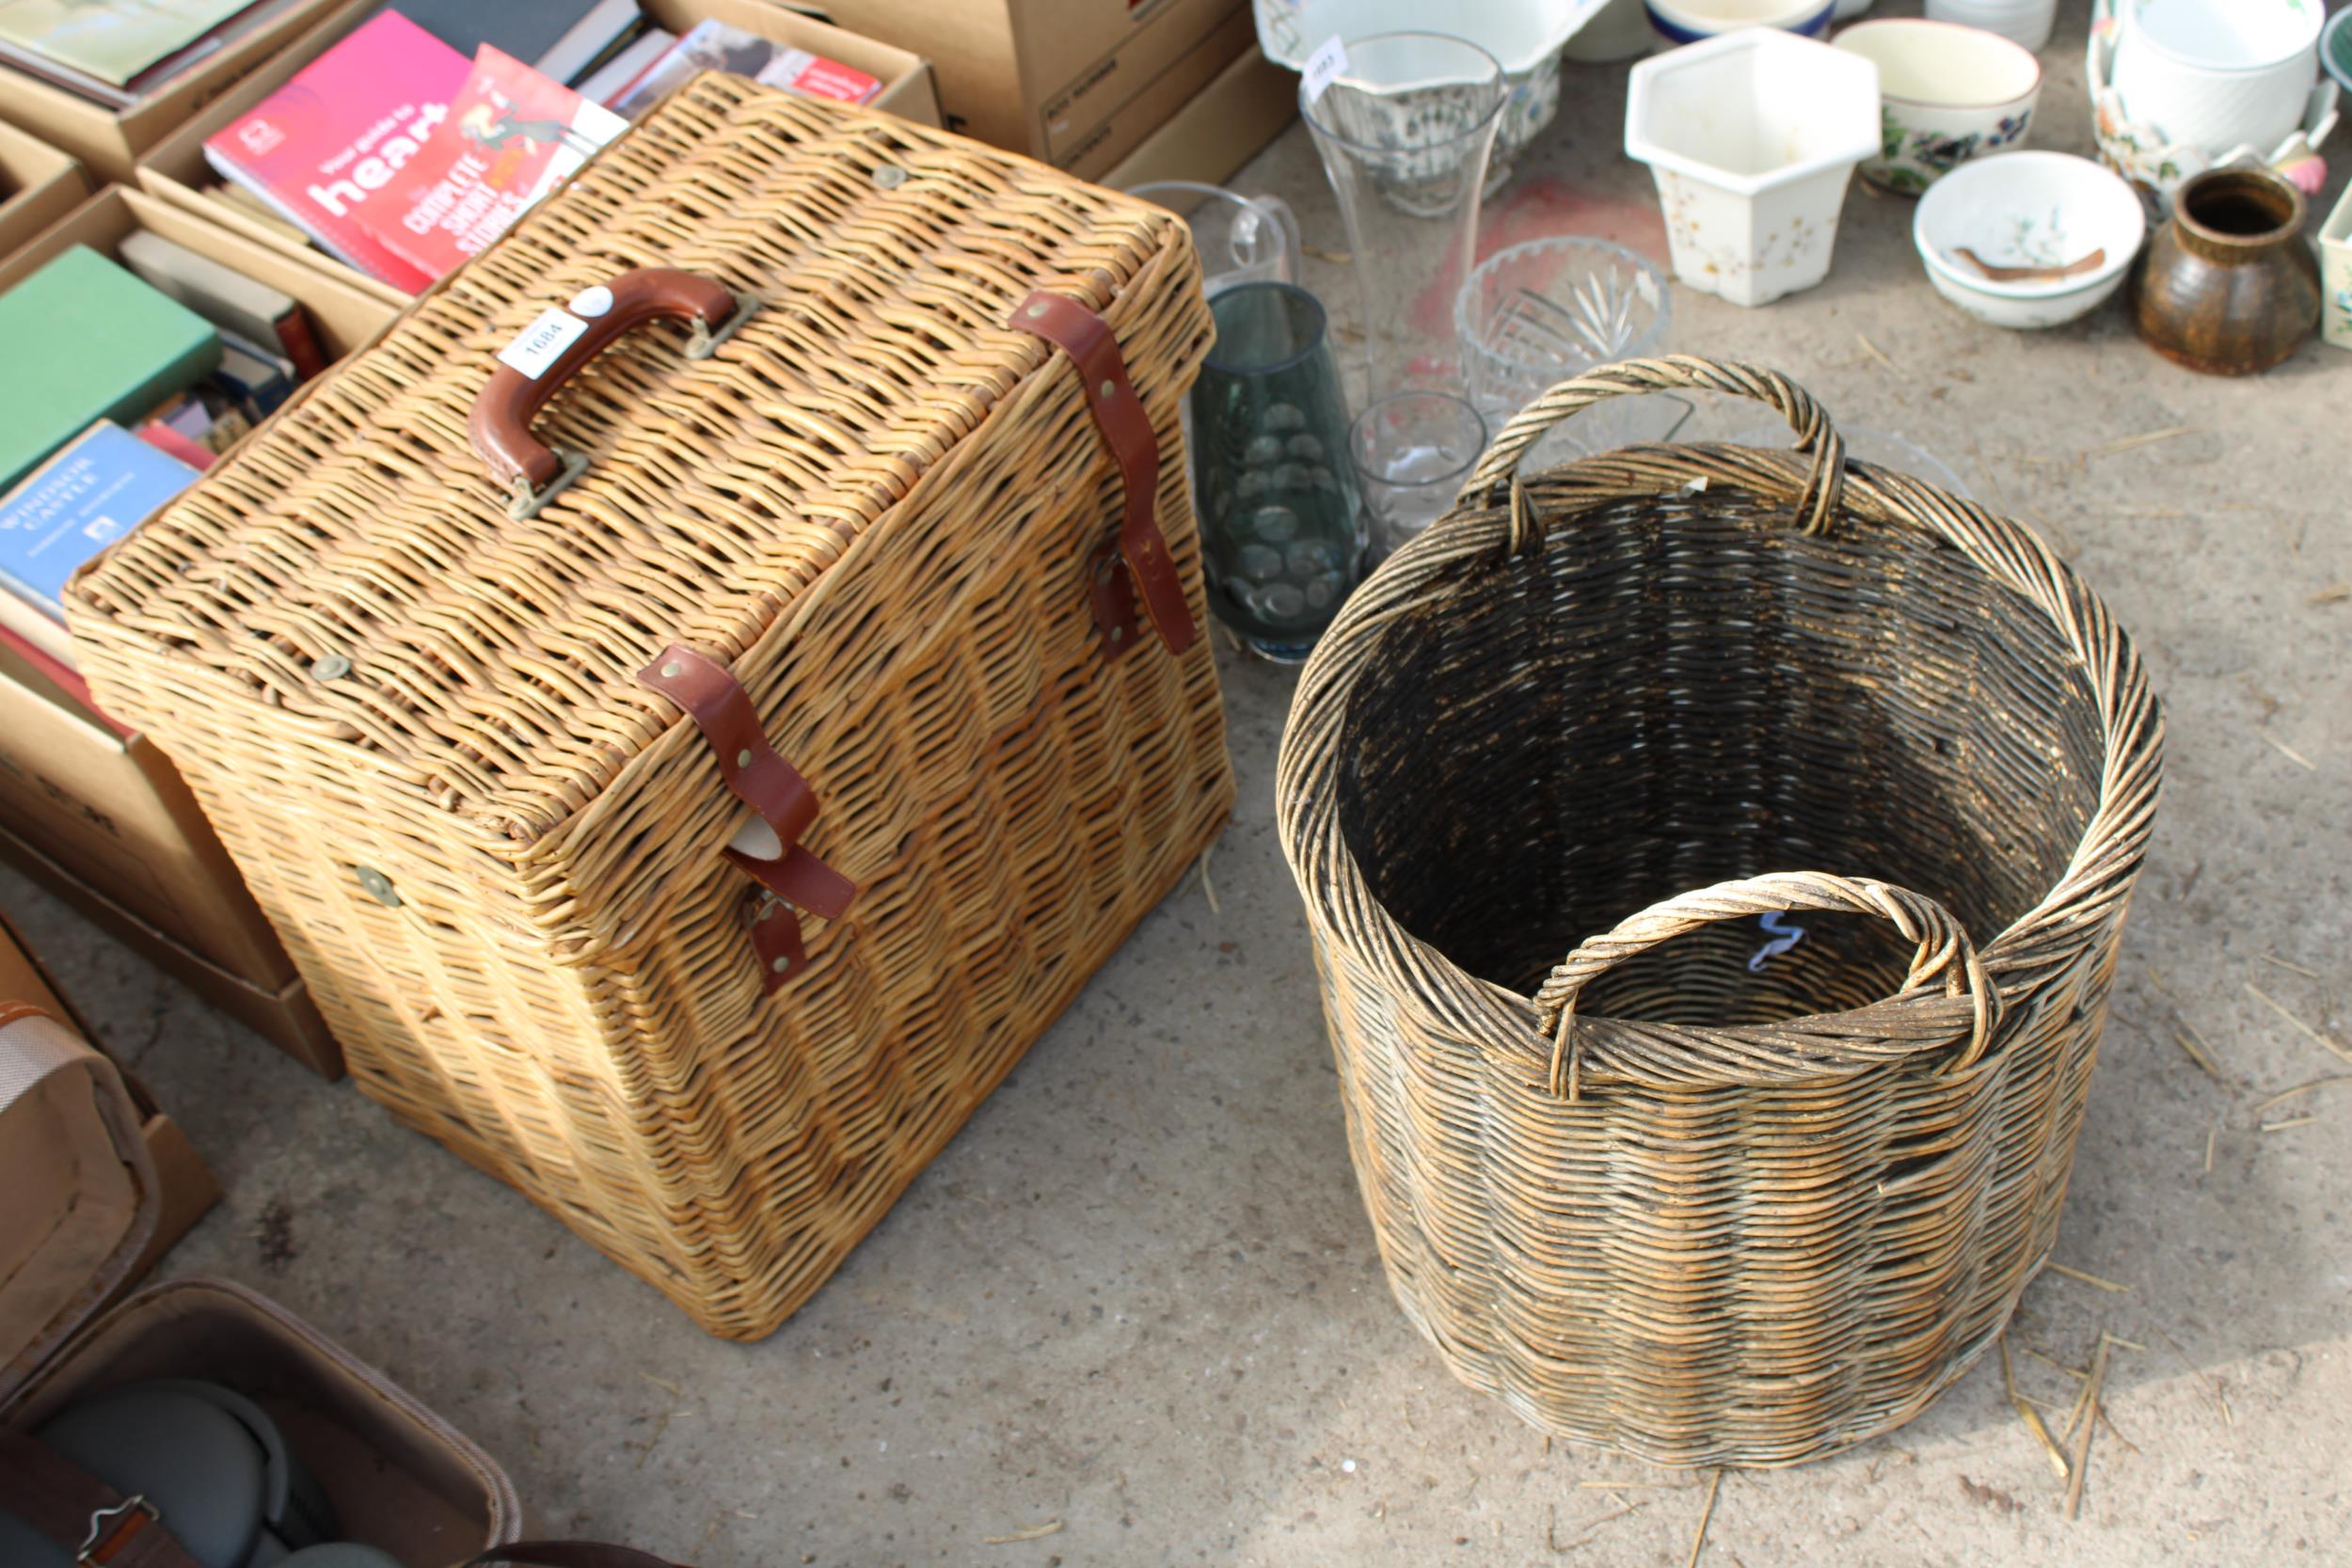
column 354, row 565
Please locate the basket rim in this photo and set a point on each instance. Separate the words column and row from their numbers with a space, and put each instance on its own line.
column 1502, row 1025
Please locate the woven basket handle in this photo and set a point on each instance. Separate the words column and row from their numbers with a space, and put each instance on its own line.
column 1824, row 487
column 562, row 338
column 1944, row 961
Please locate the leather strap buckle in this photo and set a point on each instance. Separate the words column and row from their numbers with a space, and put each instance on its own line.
column 793, row 878
column 112, row 1528
column 1117, row 410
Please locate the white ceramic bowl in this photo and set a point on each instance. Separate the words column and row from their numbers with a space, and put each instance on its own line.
column 2026, row 23
column 2028, row 209
column 2218, row 73
column 1689, row 20
column 1947, row 94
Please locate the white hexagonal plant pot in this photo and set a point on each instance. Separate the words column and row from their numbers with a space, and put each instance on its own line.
column 1753, row 139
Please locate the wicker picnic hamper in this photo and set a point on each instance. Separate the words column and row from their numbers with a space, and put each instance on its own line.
column 1653, row 1176
column 688, row 808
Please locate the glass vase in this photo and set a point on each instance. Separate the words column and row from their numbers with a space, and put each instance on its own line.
column 1280, row 538
column 1412, row 450
column 1404, row 131
column 1545, row 312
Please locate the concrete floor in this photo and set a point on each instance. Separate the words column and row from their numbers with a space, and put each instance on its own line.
column 1138, row 1301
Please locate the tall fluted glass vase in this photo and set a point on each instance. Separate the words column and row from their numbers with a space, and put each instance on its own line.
column 1404, row 131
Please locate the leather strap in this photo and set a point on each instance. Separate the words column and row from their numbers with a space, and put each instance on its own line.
column 567, row 1554
column 775, row 937
column 82, row 1514
column 775, row 791
column 1120, row 419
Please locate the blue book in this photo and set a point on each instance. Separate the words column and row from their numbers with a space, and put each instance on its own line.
column 96, row 490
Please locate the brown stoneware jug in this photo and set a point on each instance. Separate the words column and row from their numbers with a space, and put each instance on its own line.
column 2229, row 286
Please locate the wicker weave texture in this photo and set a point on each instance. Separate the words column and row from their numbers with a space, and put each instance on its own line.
column 876, row 505
column 1655, row 1185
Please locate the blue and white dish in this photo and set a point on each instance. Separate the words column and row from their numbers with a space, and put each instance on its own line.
column 1691, row 20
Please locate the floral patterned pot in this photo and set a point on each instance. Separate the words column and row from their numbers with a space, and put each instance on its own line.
column 1947, row 94
column 1753, row 139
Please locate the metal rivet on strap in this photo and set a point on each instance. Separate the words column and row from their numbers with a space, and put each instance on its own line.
column 1118, row 632
column 743, row 757
column 779, row 965
column 1037, row 310
column 1110, row 388
column 671, row 670
column 379, row 887
column 889, row 177
column 334, row 667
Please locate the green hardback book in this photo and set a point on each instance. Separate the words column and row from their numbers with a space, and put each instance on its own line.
column 111, row 40
column 85, row 340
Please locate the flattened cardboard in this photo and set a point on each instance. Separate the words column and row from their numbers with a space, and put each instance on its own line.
column 38, row 184
column 109, row 141
column 1077, row 83
column 175, row 170
column 81, row 1190
column 286, row 1017
column 185, row 1189
column 1231, row 121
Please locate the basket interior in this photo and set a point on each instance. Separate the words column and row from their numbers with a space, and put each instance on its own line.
column 1679, row 692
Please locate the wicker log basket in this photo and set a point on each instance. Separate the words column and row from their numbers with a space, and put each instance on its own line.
column 1693, row 1192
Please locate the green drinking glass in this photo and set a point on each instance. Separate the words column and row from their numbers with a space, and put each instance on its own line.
column 1281, row 533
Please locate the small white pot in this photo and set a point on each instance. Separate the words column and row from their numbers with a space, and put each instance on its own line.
column 2218, row 74
column 2335, row 261
column 1753, row 139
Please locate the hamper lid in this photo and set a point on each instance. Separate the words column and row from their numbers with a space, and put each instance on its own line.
column 82, row 1192
column 354, row 565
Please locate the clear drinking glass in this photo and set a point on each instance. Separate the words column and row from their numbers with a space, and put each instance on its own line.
column 1412, row 451
column 1280, row 539
column 1541, row 312
column 1404, row 132
column 1241, row 239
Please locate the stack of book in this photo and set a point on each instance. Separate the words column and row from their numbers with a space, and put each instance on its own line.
column 117, row 52
column 413, row 142
column 129, row 374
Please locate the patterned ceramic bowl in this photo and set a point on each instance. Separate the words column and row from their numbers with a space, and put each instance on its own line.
column 2029, row 238
column 1947, row 94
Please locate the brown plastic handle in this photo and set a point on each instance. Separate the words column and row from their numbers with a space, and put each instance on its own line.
column 500, row 427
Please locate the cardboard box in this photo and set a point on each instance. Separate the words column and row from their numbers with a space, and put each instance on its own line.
column 1231, row 121
column 1079, row 84
column 185, row 1190
column 39, row 185
column 96, row 811
column 286, row 1017
column 83, row 1209
column 109, row 141
column 175, row 168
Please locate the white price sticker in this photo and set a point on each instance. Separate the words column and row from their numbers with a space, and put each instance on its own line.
column 1324, row 67
column 543, row 342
